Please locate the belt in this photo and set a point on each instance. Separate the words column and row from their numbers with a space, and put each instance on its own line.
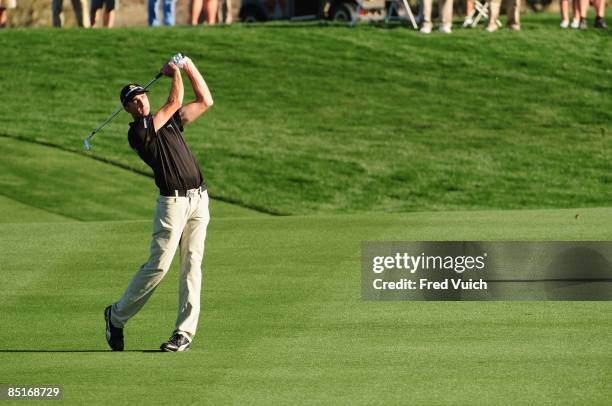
column 183, row 193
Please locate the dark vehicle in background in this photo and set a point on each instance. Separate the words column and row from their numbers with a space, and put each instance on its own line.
column 336, row 10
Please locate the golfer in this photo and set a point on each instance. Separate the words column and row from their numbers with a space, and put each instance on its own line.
column 181, row 215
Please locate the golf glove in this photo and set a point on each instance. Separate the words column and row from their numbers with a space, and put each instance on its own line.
column 179, row 60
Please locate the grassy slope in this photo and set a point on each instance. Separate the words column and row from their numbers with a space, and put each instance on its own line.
column 61, row 183
column 325, row 118
column 283, row 322
column 17, row 212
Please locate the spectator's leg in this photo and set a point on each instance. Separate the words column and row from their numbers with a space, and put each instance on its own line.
column 58, row 15
column 600, row 8
column 576, row 9
column 153, row 11
column 600, row 14
column 427, row 4
column 2, row 17
column 446, row 12
column 228, row 12
column 81, row 12
column 494, row 6
column 109, row 15
column 469, row 7
column 514, row 14
column 419, row 17
column 564, row 10
column 109, row 18
column 93, row 12
column 196, row 10
column 584, row 8
column 211, row 11
column 169, row 8
column 469, row 10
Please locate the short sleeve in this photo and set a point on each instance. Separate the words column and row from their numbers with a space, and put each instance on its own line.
column 177, row 119
column 141, row 132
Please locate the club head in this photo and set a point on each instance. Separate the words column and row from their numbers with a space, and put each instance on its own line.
column 87, row 143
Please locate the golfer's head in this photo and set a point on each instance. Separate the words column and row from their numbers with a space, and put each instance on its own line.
column 135, row 101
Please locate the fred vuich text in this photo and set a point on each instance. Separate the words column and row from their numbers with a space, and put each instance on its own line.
column 426, row 284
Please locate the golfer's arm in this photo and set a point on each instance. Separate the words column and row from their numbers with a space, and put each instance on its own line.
column 203, row 100
column 174, row 102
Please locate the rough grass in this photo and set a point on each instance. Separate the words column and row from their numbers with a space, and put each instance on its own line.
column 323, row 118
column 44, row 184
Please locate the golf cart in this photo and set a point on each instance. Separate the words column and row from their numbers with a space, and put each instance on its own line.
column 335, row 10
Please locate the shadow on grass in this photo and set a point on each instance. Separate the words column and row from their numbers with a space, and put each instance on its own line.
column 60, row 351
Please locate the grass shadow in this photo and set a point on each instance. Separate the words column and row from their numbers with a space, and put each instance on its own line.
column 69, row 351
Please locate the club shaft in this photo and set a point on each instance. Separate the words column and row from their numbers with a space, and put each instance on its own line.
column 159, row 75
column 120, row 107
column 101, row 126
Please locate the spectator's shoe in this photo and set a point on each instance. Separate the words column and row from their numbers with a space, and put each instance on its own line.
column 467, row 23
column 564, row 24
column 583, row 24
column 446, row 29
column 425, row 29
column 114, row 335
column 178, row 342
column 491, row 28
column 600, row 23
column 515, row 27
column 575, row 24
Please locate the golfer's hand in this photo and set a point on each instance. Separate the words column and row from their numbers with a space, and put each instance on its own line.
column 188, row 65
column 169, row 69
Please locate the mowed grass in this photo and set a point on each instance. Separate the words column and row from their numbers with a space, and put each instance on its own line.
column 324, row 118
column 283, row 322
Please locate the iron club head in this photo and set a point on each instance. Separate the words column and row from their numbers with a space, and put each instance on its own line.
column 87, row 142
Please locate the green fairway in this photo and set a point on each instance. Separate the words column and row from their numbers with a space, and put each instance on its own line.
column 324, row 118
column 283, row 321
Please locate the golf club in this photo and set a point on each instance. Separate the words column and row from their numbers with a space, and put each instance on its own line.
column 176, row 59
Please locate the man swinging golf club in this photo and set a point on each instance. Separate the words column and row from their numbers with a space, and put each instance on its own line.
column 181, row 214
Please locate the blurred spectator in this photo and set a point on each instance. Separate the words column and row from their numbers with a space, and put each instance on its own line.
column 196, row 11
column 600, row 14
column 210, row 7
column 224, row 13
column 80, row 13
column 579, row 9
column 513, row 9
column 446, row 16
column 108, row 12
column 469, row 8
column 4, row 5
column 564, row 9
column 168, row 7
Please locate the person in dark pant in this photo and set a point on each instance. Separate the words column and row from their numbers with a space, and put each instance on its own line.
column 80, row 13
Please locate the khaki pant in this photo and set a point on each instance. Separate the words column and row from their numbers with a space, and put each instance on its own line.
column 513, row 9
column 179, row 221
column 445, row 11
column 81, row 13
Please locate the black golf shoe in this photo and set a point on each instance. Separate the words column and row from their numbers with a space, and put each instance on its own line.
column 178, row 342
column 114, row 335
column 600, row 23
